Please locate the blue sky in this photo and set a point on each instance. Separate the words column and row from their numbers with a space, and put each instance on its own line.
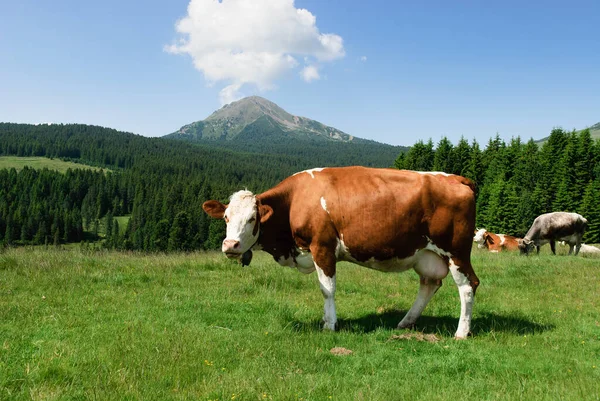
column 391, row 71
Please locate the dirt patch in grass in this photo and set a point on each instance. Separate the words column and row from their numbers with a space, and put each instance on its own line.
column 430, row 338
column 340, row 351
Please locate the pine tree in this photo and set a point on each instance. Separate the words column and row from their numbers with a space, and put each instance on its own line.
column 590, row 209
column 442, row 160
column 475, row 169
column 180, row 233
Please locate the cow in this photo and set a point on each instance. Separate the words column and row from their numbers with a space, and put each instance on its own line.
column 384, row 219
column 586, row 249
column 552, row 227
column 495, row 242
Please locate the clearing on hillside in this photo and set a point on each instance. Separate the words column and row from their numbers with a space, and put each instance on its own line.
column 41, row 162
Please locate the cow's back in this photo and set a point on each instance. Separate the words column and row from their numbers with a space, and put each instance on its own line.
column 383, row 213
column 556, row 225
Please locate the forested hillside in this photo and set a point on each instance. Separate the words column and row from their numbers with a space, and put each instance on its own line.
column 256, row 125
column 161, row 183
column 518, row 181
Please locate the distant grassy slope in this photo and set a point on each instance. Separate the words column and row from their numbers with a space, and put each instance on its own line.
column 40, row 163
column 594, row 132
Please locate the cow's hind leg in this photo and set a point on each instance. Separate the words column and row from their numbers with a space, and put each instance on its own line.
column 431, row 269
column 577, row 245
column 467, row 283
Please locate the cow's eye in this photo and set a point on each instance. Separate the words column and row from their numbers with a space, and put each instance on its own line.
column 252, row 220
column 226, row 219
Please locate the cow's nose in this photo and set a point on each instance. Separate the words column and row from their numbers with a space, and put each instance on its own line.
column 230, row 245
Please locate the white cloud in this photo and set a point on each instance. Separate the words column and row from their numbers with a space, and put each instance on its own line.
column 252, row 42
column 310, row 73
column 363, row 59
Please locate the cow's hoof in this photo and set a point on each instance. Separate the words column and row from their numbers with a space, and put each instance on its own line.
column 405, row 325
column 329, row 326
column 460, row 336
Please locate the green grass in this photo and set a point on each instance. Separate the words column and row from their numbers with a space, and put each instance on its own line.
column 41, row 162
column 112, row 326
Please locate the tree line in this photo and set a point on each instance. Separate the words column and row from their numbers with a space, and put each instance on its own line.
column 161, row 184
column 517, row 181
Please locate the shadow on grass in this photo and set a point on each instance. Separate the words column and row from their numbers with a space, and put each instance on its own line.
column 442, row 325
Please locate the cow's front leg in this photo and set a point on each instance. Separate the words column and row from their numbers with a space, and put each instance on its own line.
column 325, row 266
column 328, row 289
column 553, row 247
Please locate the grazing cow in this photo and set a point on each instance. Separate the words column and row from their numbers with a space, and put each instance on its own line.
column 495, row 242
column 385, row 219
column 552, row 227
column 587, row 249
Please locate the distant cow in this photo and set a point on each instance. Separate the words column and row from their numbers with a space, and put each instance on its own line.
column 495, row 242
column 552, row 227
column 587, row 249
column 384, row 219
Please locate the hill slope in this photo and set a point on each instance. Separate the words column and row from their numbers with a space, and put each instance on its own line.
column 594, row 133
column 257, row 125
column 232, row 120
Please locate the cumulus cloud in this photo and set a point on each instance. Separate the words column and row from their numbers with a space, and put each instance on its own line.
column 256, row 42
column 310, row 73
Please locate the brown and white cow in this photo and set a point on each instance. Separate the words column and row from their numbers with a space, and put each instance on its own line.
column 385, row 219
column 495, row 242
column 552, row 227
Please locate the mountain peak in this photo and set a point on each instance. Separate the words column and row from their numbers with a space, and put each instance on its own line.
column 258, row 115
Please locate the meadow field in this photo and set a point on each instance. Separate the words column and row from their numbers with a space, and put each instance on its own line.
column 103, row 325
column 42, row 162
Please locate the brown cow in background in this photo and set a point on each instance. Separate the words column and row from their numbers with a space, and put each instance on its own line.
column 495, row 242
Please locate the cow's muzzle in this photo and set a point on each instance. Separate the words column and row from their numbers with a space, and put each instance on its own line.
column 231, row 248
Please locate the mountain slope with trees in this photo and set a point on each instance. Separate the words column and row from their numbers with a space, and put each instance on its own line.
column 256, row 125
column 162, row 184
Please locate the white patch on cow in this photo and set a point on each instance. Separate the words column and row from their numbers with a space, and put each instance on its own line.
column 434, row 248
column 311, row 171
column 289, row 262
column 324, row 204
column 341, row 250
column 241, row 213
column 466, row 300
column 502, row 239
column 303, row 261
column 479, row 238
column 433, row 173
column 328, row 289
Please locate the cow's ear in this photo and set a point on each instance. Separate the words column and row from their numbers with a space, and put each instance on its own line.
column 488, row 238
column 214, row 209
column 265, row 212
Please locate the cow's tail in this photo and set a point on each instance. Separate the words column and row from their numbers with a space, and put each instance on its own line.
column 467, row 182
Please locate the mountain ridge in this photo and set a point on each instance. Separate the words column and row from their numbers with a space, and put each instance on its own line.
column 230, row 120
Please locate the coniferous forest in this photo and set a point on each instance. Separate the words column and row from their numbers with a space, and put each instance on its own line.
column 161, row 184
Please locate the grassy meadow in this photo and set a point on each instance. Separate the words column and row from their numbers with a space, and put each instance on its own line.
column 79, row 325
column 41, row 162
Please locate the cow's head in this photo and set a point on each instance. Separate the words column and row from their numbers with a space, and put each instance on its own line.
column 243, row 216
column 480, row 237
column 525, row 246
